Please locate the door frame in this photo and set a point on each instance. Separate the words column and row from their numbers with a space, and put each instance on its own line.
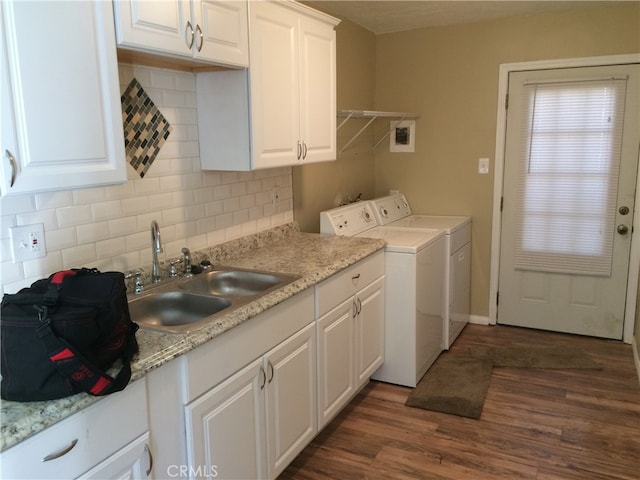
column 498, row 175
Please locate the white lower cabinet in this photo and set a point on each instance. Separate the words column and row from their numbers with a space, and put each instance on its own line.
column 350, row 329
column 226, row 428
column 254, row 423
column 132, row 462
column 108, row 439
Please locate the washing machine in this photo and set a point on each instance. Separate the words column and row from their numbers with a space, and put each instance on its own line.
column 414, row 292
column 394, row 211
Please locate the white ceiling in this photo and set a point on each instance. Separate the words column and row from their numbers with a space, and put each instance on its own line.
column 386, row 16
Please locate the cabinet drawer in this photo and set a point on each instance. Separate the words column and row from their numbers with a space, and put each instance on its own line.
column 346, row 283
column 100, row 430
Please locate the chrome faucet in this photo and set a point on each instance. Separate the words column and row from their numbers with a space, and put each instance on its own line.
column 156, row 248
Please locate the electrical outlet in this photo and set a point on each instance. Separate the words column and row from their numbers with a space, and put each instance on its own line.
column 275, row 195
column 483, row 166
column 27, row 242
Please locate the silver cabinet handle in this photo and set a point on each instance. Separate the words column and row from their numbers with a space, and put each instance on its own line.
column 201, row 35
column 148, row 450
column 271, row 372
column 299, row 150
column 304, row 145
column 190, row 27
column 60, row 453
column 14, row 167
column 264, row 378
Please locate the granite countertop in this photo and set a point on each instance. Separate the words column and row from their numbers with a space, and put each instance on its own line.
column 283, row 249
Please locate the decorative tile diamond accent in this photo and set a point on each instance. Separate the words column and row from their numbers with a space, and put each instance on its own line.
column 145, row 128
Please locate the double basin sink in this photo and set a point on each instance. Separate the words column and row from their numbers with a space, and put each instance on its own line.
column 188, row 304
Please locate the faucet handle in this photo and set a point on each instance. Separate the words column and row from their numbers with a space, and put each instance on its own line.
column 173, row 270
column 139, row 285
column 186, row 254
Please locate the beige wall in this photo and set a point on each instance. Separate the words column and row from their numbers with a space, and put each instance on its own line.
column 321, row 186
column 449, row 75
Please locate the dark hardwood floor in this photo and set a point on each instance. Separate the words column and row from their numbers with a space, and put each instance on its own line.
column 536, row 424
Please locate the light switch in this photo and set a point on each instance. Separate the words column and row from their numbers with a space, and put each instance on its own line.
column 27, row 242
column 483, row 166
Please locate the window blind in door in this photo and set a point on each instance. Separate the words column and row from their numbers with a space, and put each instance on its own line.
column 571, row 143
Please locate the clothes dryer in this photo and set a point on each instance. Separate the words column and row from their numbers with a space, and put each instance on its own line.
column 394, row 211
column 414, row 268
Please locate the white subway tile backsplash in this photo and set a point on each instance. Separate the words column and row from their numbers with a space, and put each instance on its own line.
column 92, row 232
column 108, row 227
column 122, row 226
column 72, row 216
column 60, row 238
column 12, row 205
column 135, row 206
column 79, row 256
column 107, row 249
column 106, row 210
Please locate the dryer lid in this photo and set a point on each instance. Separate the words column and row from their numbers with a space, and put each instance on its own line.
column 404, row 241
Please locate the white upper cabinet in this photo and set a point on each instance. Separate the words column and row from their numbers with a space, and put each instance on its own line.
column 290, row 117
column 209, row 31
column 61, row 114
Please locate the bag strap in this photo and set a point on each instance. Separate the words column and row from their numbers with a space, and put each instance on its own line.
column 73, row 366
column 55, row 285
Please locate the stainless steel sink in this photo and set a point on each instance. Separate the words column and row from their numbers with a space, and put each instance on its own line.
column 193, row 303
column 175, row 311
column 236, row 283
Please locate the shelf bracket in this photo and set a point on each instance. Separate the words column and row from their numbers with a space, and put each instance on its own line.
column 372, row 116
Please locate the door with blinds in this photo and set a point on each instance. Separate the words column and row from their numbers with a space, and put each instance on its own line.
column 571, row 160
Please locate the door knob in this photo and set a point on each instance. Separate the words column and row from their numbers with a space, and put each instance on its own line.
column 622, row 229
column 623, row 210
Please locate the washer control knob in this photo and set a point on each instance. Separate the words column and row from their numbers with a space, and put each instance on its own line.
column 384, row 212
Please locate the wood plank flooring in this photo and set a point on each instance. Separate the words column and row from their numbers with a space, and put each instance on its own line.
column 536, row 424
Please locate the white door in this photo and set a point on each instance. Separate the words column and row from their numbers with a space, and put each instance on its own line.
column 221, row 31
column 161, row 26
column 336, row 350
column 369, row 305
column 226, row 436
column 291, row 398
column 569, row 188
column 317, row 91
column 60, row 88
column 275, row 101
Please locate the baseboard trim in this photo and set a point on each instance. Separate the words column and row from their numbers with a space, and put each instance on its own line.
column 478, row 320
column 636, row 356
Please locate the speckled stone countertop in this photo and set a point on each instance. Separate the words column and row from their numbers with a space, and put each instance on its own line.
column 283, row 249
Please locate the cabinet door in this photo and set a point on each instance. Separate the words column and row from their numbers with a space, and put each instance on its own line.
column 225, row 428
column 336, row 360
column 132, row 462
column 158, row 26
column 291, row 398
column 369, row 330
column 275, row 104
column 65, row 94
column 317, row 90
column 221, row 31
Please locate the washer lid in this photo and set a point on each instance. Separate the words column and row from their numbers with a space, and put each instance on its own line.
column 402, row 240
column 447, row 223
